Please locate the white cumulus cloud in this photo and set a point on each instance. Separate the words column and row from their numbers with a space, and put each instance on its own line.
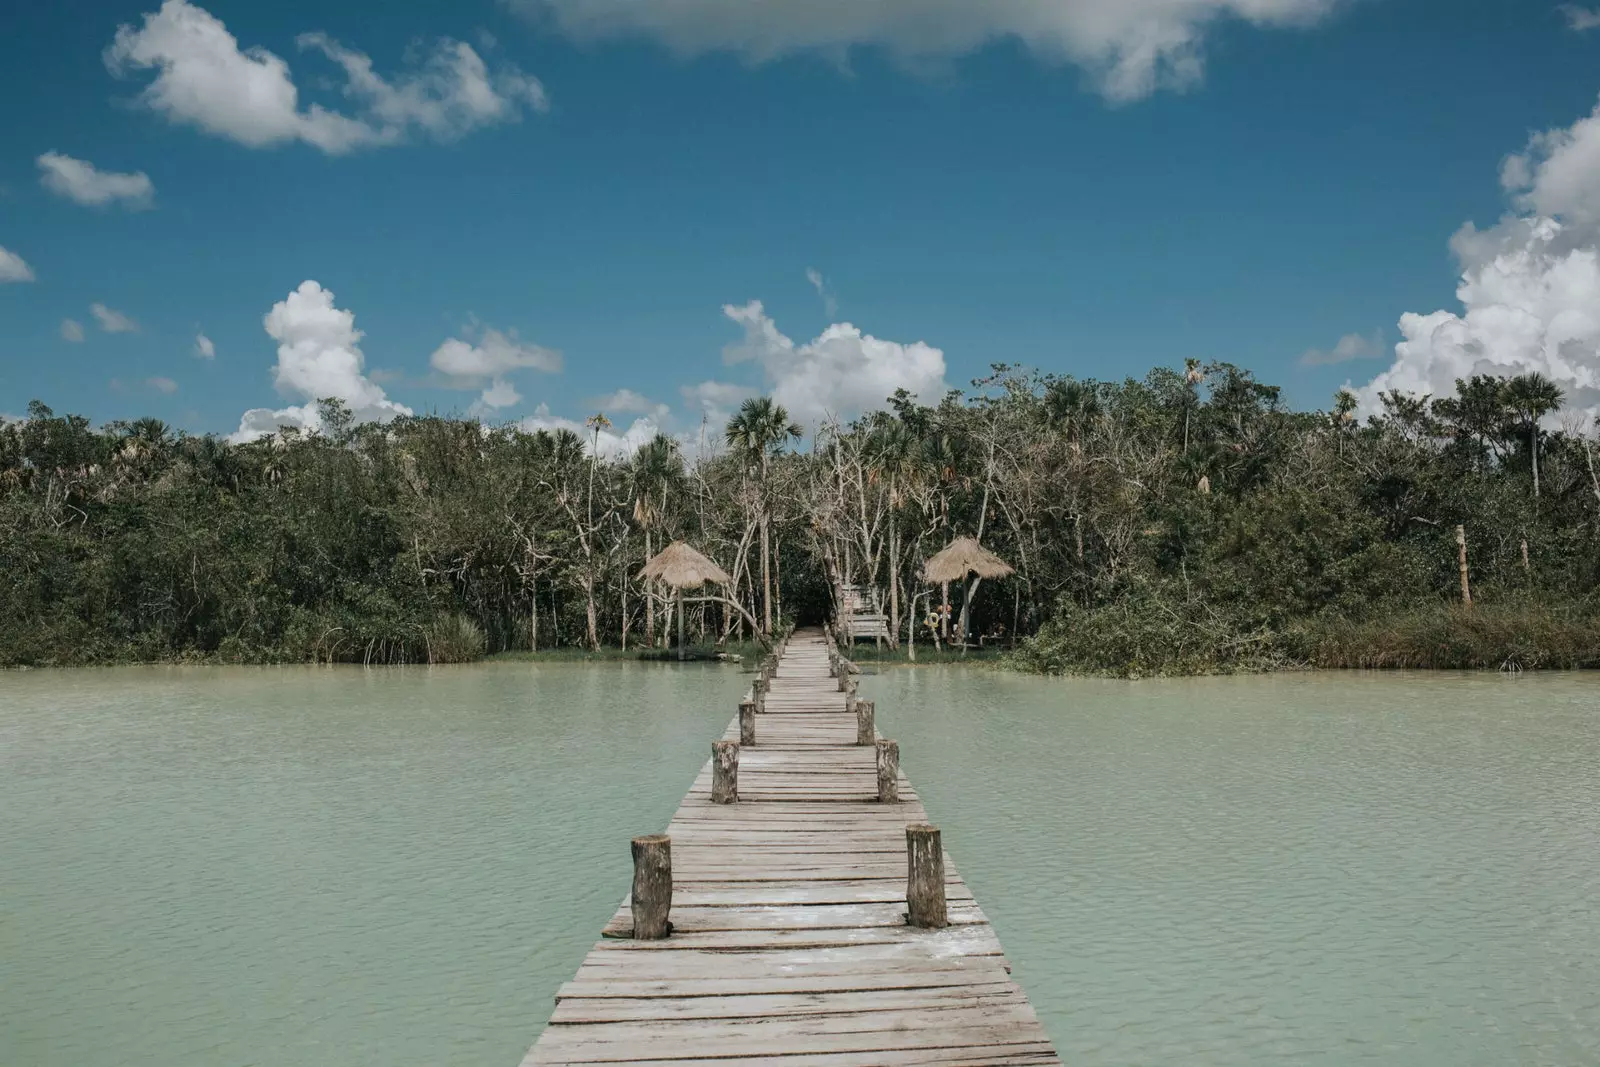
column 203, row 79
column 610, row 444
column 1581, row 19
column 1530, row 285
column 319, row 356
column 493, row 356
column 71, row 330
column 628, row 402
column 715, row 402
column 1130, row 47
column 80, row 180
column 841, row 373
column 1351, row 346
column 203, row 347
column 111, row 320
column 13, row 268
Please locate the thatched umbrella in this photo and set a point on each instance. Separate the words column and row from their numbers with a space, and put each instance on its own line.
column 962, row 557
column 682, row 568
column 965, row 556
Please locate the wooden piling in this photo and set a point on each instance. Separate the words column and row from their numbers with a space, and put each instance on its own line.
column 888, row 771
column 925, row 902
column 866, row 728
column 724, row 772
column 747, row 722
column 652, row 887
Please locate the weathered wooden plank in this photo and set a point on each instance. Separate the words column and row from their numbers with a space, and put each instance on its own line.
column 789, row 934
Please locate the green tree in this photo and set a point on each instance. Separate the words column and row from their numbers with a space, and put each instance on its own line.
column 760, row 429
column 1531, row 397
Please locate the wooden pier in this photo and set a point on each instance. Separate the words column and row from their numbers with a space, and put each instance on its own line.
column 790, row 936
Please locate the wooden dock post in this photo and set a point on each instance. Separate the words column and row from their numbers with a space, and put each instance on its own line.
column 725, row 772
column 747, row 722
column 925, row 901
column 866, row 728
column 652, row 887
column 758, row 693
column 888, row 771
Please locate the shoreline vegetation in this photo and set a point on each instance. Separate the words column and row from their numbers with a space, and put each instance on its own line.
column 1186, row 522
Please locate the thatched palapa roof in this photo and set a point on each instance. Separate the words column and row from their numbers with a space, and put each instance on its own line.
column 965, row 556
column 683, row 568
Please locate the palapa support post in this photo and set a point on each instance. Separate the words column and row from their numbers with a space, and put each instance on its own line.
column 888, row 771
column 747, row 722
column 724, row 772
column 866, row 729
column 652, row 887
column 925, row 902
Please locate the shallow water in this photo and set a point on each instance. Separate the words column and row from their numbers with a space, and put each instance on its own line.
column 337, row 866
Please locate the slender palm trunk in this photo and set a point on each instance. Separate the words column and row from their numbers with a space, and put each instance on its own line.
column 894, row 580
column 590, row 614
column 649, row 596
column 1533, row 438
column 766, row 552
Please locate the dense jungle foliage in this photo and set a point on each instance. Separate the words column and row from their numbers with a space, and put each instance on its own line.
column 1186, row 521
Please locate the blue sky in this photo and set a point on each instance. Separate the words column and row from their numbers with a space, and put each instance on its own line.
column 998, row 186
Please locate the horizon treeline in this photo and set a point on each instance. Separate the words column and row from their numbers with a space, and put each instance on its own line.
column 1184, row 521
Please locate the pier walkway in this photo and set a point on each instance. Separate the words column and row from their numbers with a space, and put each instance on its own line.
column 790, row 941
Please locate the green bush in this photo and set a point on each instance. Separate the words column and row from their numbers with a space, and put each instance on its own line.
column 455, row 639
column 1513, row 635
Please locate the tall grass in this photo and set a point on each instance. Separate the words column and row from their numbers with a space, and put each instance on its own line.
column 1517, row 635
column 455, row 639
column 1144, row 637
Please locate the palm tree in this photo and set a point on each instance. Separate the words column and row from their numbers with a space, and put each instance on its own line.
column 1532, row 397
column 760, row 429
column 1072, row 407
column 656, row 470
column 1193, row 375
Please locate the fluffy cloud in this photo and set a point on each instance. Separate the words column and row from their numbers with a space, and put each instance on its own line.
column 71, row 330
column 1130, row 47
column 715, row 402
column 79, row 180
column 111, row 320
column 162, row 385
column 1530, row 286
column 493, row 357
column 1581, row 19
column 13, row 268
column 1351, row 346
column 205, row 80
column 1558, row 174
column 319, row 356
column 609, row 444
column 628, row 402
column 203, row 347
column 841, row 373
